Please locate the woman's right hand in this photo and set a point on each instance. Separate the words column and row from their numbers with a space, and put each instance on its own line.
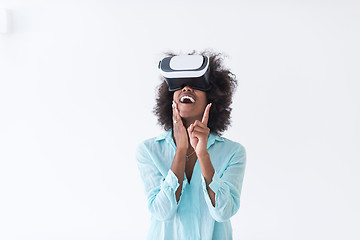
column 180, row 133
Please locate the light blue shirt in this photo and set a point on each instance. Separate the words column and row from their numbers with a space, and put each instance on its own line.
column 194, row 216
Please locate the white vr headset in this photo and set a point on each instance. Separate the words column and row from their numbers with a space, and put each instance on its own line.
column 192, row 70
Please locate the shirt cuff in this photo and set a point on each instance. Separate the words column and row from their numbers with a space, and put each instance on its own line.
column 171, row 181
column 215, row 183
column 215, row 186
column 183, row 188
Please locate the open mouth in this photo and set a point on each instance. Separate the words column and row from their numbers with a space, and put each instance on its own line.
column 187, row 99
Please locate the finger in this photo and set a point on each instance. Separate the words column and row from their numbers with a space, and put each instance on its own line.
column 197, row 123
column 205, row 118
column 192, row 135
column 173, row 111
column 177, row 109
column 177, row 117
column 175, row 114
column 190, row 128
column 199, row 129
column 198, row 134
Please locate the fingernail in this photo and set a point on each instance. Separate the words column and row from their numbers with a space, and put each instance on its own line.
column 210, row 104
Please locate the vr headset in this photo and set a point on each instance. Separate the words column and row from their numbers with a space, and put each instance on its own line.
column 192, row 70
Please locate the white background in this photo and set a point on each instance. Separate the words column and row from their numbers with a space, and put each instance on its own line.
column 77, row 89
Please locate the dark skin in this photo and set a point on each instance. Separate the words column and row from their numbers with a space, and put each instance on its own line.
column 190, row 133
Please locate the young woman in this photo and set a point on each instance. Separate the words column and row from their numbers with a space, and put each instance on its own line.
column 193, row 176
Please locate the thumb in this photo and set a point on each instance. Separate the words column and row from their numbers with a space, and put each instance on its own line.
column 190, row 128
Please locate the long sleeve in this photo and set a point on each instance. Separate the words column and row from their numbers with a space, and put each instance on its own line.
column 159, row 190
column 227, row 187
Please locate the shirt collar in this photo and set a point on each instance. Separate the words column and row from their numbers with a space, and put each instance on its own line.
column 212, row 138
column 168, row 137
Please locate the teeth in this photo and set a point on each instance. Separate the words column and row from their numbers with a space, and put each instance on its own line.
column 187, row 97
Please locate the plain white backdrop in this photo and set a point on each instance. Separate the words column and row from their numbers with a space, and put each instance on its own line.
column 77, row 89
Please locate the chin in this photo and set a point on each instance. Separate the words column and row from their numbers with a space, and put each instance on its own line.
column 188, row 115
column 185, row 114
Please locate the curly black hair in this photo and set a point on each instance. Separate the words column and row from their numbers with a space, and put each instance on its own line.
column 223, row 84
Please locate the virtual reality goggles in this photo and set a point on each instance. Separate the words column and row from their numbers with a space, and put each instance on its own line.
column 191, row 70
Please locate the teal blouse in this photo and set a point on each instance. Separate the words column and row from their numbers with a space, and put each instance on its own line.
column 194, row 216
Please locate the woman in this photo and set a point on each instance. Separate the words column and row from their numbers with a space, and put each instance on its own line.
column 193, row 176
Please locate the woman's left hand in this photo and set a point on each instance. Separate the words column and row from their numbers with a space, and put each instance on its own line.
column 199, row 133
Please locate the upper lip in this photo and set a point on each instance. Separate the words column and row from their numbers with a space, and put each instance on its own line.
column 187, row 94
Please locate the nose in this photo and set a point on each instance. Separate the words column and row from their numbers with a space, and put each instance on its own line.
column 187, row 88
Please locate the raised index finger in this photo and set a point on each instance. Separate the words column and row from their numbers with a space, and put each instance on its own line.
column 205, row 118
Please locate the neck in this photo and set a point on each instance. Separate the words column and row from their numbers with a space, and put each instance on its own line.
column 188, row 121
